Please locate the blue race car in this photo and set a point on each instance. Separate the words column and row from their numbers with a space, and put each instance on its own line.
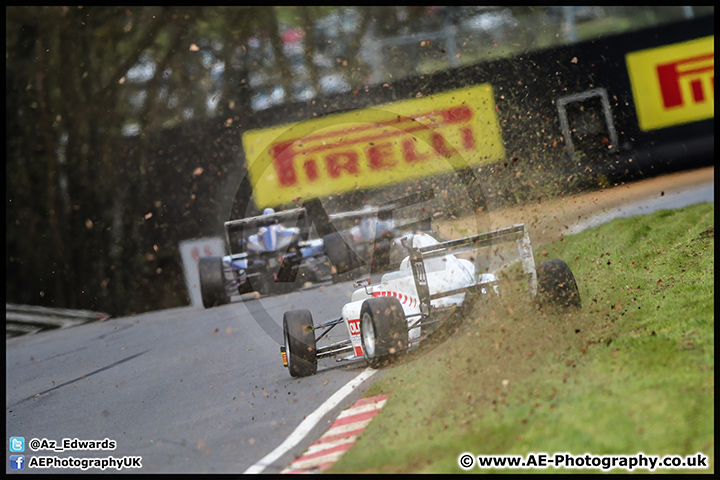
column 265, row 256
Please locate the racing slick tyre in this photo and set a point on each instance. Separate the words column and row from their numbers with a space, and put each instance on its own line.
column 289, row 278
column 299, row 337
column 383, row 330
column 339, row 252
column 381, row 261
column 212, row 282
column 556, row 286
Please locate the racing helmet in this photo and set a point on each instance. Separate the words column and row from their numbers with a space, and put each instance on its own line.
column 368, row 225
column 268, row 211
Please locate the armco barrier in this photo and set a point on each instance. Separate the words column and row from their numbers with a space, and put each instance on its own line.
column 27, row 319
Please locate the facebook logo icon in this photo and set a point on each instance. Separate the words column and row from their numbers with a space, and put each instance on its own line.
column 17, row 462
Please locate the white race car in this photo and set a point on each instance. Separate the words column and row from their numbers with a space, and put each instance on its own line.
column 374, row 234
column 387, row 319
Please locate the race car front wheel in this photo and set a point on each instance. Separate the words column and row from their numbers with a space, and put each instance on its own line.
column 556, row 286
column 383, row 330
column 212, row 282
column 299, row 336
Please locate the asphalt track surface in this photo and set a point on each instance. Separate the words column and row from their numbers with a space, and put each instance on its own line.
column 187, row 389
column 204, row 391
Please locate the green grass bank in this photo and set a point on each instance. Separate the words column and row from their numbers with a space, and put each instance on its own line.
column 632, row 372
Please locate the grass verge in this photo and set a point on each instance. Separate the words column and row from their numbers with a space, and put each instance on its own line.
column 632, row 372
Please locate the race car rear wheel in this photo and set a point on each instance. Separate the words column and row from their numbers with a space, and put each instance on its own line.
column 265, row 283
column 556, row 286
column 299, row 336
column 339, row 252
column 381, row 261
column 289, row 277
column 383, row 330
column 212, row 282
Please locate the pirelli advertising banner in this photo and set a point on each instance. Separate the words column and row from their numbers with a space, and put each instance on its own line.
column 372, row 147
column 673, row 84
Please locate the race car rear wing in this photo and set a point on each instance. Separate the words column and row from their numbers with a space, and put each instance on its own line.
column 265, row 220
column 516, row 233
column 299, row 214
column 386, row 210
